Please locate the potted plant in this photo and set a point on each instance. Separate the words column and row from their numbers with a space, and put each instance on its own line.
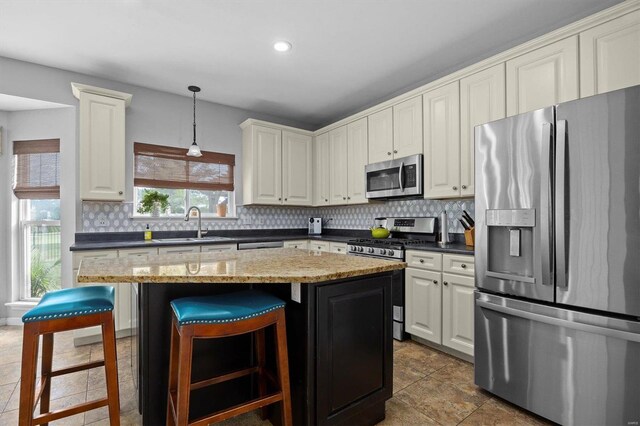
column 221, row 207
column 153, row 202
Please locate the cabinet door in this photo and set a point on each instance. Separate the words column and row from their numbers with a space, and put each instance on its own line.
column 442, row 142
column 407, row 128
column 267, row 165
column 319, row 245
column 423, row 304
column 179, row 249
column 482, row 99
column 357, row 160
column 424, row 260
column 610, row 55
column 321, row 170
column 338, row 165
column 297, row 244
column 218, row 248
column 101, row 150
column 297, row 169
column 381, row 135
column 123, row 291
column 457, row 313
column 339, row 248
column 543, row 77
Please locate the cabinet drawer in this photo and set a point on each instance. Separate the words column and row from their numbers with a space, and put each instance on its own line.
column 319, row 245
column 179, row 249
column 456, row 264
column 136, row 252
column 218, row 248
column 340, row 248
column 424, row 260
column 94, row 254
column 298, row 244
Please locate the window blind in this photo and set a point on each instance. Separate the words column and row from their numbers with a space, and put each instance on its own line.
column 37, row 169
column 159, row 166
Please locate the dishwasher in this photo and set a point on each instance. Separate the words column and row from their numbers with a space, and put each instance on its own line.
column 263, row 245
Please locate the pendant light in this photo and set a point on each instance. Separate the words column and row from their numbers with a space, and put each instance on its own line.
column 194, row 149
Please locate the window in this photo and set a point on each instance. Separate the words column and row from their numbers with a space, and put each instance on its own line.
column 37, row 186
column 205, row 182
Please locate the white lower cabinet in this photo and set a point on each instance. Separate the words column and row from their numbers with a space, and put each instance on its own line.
column 218, row 248
column 297, row 244
column 439, row 304
column 340, row 248
column 319, row 245
column 179, row 249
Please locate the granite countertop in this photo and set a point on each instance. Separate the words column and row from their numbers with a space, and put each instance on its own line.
column 278, row 265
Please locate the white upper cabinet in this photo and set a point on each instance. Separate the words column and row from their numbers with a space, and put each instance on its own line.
column 357, row 160
column 277, row 164
column 482, row 99
column 610, row 55
column 321, row 170
column 543, row 77
column 381, row 136
column 338, row 166
column 442, row 142
column 102, row 143
column 297, row 169
column 407, row 127
column 262, row 165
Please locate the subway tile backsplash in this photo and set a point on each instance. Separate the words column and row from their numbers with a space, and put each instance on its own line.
column 116, row 217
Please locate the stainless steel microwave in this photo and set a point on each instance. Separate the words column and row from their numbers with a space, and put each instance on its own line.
column 401, row 177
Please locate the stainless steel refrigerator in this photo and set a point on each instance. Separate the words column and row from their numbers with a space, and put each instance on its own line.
column 557, row 303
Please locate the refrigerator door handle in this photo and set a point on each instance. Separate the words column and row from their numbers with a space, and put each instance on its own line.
column 559, row 322
column 546, row 231
column 561, row 150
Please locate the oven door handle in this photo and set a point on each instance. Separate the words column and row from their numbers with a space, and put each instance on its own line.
column 401, row 176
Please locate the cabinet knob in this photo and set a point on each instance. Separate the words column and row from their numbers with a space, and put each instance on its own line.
column 286, row 199
column 464, row 186
column 326, row 201
column 421, row 260
column 463, row 266
column 445, row 283
column 348, row 198
column 455, row 188
column 344, row 198
column 395, row 151
column 389, row 153
column 279, row 199
column 435, row 281
column 119, row 192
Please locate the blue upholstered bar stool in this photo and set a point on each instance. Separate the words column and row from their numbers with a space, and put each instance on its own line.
column 226, row 315
column 64, row 310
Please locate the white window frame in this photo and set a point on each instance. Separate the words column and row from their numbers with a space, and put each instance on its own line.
column 24, row 258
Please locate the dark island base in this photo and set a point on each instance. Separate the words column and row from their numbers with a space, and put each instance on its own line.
column 339, row 342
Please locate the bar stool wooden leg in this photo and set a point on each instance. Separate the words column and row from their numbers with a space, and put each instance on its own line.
column 261, row 355
column 184, row 376
column 111, row 367
column 28, row 376
column 283, row 367
column 174, row 357
column 45, row 372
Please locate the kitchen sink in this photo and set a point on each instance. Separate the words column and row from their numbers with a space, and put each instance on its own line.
column 188, row 240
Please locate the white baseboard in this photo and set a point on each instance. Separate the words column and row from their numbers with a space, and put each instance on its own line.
column 14, row 321
column 444, row 349
column 3, row 321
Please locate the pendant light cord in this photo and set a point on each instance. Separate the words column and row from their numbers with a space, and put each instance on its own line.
column 194, row 117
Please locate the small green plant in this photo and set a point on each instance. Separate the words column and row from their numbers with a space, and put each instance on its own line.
column 42, row 275
column 151, row 199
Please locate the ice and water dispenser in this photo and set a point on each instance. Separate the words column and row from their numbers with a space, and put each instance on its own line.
column 511, row 244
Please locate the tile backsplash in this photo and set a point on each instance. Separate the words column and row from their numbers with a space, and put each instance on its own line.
column 116, row 217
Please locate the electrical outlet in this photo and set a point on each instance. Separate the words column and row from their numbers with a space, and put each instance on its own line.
column 103, row 222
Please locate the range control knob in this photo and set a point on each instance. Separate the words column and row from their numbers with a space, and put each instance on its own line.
column 352, row 248
column 390, row 252
column 359, row 249
column 370, row 250
column 383, row 251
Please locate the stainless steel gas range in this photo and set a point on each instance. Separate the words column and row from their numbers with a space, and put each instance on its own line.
column 405, row 232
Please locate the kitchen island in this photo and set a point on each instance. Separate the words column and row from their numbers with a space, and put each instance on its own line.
column 339, row 319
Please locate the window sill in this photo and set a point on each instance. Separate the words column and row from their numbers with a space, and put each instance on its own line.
column 21, row 304
column 180, row 218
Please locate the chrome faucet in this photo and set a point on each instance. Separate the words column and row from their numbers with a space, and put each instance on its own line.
column 186, row 219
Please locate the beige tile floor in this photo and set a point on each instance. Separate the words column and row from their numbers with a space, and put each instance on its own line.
column 430, row 387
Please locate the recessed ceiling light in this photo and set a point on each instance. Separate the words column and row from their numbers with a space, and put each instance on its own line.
column 282, row 46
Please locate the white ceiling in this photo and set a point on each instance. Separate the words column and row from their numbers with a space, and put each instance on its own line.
column 347, row 54
column 16, row 103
